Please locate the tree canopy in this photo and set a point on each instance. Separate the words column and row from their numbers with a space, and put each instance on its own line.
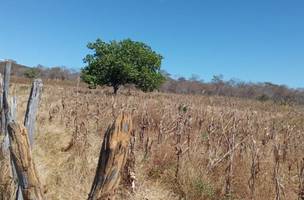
column 123, row 62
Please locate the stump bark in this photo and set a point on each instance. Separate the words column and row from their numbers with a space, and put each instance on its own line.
column 112, row 159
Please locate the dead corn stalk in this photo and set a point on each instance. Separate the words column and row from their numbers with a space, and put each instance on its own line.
column 276, row 172
column 254, row 168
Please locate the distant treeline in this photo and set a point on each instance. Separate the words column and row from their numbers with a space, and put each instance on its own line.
column 40, row 71
column 217, row 86
column 235, row 88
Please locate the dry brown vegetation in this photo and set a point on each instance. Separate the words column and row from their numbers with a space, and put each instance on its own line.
column 184, row 147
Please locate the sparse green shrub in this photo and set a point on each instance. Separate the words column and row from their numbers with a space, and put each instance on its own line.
column 32, row 73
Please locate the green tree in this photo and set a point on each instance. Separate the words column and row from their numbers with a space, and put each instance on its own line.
column 121, row 62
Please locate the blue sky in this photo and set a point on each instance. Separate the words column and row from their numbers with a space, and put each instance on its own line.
column 252, row 40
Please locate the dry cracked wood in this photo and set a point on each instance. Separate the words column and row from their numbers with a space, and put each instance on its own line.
column 112, row 159
column 21, row 157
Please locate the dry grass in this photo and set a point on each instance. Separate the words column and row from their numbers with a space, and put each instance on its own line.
column 194, row 147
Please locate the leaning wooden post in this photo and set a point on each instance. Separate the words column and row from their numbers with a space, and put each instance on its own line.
column 32, row 108
column 112, row 159
column 21, row 157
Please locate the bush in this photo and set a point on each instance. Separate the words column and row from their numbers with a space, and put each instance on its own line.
column 32, row 73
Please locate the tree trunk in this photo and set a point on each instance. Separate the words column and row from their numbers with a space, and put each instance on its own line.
column 21, row 156
column 112, row 159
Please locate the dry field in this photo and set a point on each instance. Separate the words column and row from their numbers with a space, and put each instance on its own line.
column 186, row 147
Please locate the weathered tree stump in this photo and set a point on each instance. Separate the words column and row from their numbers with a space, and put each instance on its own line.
column 112, row 159
column 21, row 157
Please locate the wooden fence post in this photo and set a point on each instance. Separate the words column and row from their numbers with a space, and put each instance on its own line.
column 22, row 160
column 16, row 143
column 2, row 134
column 1, row 104
column 6, row 83
column 32, row 108
column 13, row 108
column 5, row 119
column 5, row 113
column 112, row 159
